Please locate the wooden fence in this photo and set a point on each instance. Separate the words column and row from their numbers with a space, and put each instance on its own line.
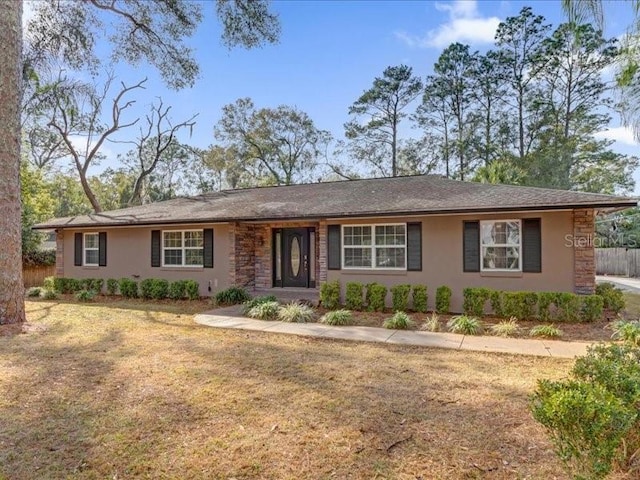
column 618, row 261
column 34, row 276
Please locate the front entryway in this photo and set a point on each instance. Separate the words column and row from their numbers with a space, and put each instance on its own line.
column 293, row 257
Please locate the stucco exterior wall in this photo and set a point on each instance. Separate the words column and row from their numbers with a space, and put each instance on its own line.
column 442, row 258
column 129, row 255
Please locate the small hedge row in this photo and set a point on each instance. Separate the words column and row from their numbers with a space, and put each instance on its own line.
column 372, row 296
column 556, row 306
column 150, row 288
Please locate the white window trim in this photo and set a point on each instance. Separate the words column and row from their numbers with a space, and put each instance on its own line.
column 183, row 248
column 85, row 249
column 482, row 267
column 373, row 246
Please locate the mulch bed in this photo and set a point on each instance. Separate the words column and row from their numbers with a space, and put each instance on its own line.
column 593, row 331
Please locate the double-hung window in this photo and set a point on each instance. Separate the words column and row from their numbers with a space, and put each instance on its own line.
column 375, row 246
column 91, row 249
column 182, row 248
column 500, row 245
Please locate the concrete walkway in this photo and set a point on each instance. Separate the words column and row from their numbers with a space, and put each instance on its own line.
column 625, row 283
column 230, row 317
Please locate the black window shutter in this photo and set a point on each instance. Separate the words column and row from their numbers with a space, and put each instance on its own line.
column 102, row 249
column 414, row 246
column 77, row 250
column 333, row 247
column 155, row 248
column 471, row 246
column 208, row 248
column 531, row 246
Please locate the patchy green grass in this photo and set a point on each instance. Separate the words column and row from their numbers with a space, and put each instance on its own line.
column 131, row 390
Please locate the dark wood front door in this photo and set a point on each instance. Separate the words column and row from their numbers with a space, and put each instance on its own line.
column 295, row 257
column 291, row 257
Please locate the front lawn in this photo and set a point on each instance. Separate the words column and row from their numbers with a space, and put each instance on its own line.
column 131, row 390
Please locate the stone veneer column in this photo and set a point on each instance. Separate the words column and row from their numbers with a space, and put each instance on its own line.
column 263, row 275
column 242, row 260
column 59, row 254
column 584, row 265
column 322, row 251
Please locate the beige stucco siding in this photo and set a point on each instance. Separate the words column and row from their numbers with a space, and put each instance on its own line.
column 129, row 255
column 442, row 258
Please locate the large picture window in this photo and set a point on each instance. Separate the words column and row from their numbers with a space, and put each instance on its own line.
column 91, row 249
column 500, row 245
column 182, row 248
column 375, row 246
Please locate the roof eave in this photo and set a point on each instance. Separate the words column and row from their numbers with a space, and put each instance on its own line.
column 602, row 206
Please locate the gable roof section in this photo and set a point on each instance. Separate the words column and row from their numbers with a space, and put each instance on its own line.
column 422, row 194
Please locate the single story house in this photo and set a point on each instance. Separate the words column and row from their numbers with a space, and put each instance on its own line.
column 417, row 229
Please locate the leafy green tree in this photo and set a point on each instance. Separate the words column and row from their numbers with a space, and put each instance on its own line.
column 500, row 171
column 37, row 205
column 376, row 115
column 275, row 146
column 454, row 67
column 628, row 61
column 520, row 41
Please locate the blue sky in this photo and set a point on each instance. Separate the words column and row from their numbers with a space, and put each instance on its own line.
column 330, row 51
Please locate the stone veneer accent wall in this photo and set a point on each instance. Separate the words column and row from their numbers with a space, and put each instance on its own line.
column 59, row 254
column 242, row 259
column 583, row 250
column 251, row 264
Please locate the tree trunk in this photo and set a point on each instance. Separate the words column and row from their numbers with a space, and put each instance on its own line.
column 11, row 286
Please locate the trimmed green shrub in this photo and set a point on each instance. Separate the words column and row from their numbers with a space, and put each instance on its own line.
column 400, row 297
column 586, row 424
column 295, row 312
column 354, row 296
column 399, row 321
column 94, row 284
column 177, row 290
column 231, row 296
column 465, row 325
column 248, row 305
column 265, row 311
column 330, row 295
column 612, row 297
column 496, row 303
column 154, row 288
column 506, row 328
column 146, row 286
column 112, row 286
column 192, row 290
column 128, row 288
column 49, row 283
column 66, row 285
column 592, row 307
column 474, row 300
column 628, row 331
column 49, row 294
column 443, row 299
column 376, row 296
column 420, row 298
column 521, row 305
column 34, row 292
column 337, row 317
column 592, row 418
column 85, row 295
column 545, row 331
column 568, row 307
column 432, row 323
column 545, row 301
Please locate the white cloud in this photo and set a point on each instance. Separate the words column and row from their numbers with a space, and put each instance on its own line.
column 619, row 134
column 465, row 25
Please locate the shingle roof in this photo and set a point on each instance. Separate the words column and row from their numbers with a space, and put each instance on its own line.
column 423, row 194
